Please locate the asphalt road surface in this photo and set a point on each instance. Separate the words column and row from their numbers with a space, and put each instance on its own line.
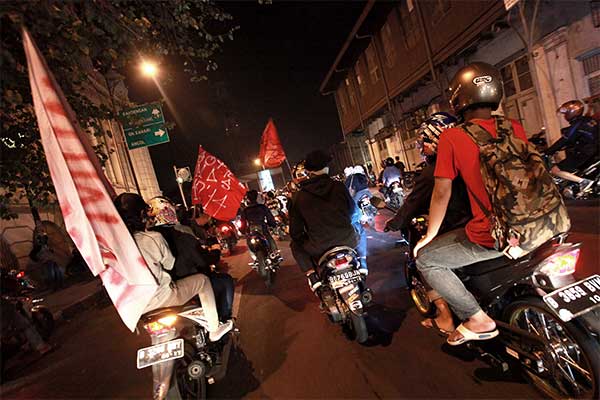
column 287, row 348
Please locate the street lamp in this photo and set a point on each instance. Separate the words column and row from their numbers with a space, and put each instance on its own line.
column 257, row 162
column 149, row 69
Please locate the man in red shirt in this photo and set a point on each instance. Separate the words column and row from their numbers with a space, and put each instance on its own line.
column 476, row 90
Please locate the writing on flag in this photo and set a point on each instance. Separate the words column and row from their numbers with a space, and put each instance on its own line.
column 271, row 153
column 84, row 196
column 216, row 188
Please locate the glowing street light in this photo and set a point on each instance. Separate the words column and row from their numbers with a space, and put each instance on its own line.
column 257, row 161
column 149, row 69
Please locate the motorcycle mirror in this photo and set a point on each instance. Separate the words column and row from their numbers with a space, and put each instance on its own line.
column 377, row 202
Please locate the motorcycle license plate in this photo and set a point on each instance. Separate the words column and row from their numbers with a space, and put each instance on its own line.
column 341, row 280
column 576, row 299
column 159, row 353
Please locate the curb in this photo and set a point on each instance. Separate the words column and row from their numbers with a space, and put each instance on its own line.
column 72, row 310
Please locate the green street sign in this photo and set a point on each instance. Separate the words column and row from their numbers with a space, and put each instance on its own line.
column 147, row 114
column 146, row 136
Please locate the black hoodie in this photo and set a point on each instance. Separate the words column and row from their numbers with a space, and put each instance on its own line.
column 321, row 214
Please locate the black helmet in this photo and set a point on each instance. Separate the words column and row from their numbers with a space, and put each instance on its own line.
column 389, row 162
column 132, row 208
column 571, row 109
column 475, row 84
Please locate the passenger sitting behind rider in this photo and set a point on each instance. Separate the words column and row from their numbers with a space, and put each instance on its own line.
column 158, row 257
column 320, row 216
column 476, row 90
column 418, row 200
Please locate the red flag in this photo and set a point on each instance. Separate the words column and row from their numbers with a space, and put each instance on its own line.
column 271, row 151
column 84, row 196
column 216, row 188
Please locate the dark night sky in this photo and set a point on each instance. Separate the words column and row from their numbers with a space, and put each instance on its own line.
column 273, row 68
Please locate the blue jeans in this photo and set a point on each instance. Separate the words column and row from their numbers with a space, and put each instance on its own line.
column 450, row 251
column 361, row 248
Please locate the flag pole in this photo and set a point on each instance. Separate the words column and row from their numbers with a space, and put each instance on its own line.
column 289, row 168
column 180, row 187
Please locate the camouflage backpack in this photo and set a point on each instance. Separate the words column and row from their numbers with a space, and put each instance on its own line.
column 527, row 209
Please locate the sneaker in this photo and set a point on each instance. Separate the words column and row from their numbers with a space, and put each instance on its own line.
column 220, row 331
column 585, row 185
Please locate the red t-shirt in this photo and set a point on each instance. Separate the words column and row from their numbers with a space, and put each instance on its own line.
column 458, row 154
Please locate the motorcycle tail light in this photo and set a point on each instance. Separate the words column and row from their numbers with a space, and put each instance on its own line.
column 224, row 228
column 21, row 274
column 161, row 325
column 560, row 264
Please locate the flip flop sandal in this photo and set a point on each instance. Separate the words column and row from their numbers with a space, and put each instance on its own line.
column 441, row 331
column 468, row 335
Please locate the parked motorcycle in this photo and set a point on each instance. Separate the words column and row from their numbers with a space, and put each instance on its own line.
column 549, row 324
column 227, row 235
column 264, row 262
column 182, row 357
column 343, row 292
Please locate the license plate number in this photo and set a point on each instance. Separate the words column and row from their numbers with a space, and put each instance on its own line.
column 576, row 299
column 344, row 279
column 159, row 353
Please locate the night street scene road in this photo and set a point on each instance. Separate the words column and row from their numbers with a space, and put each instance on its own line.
column 346, row 199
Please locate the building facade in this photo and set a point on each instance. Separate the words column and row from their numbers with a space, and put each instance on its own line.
column 394, row 68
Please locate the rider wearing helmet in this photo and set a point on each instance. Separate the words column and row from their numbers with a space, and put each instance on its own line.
column 260, row 216
column 475, row 91
column 580, row 142
column 190, row 257
column 389, row 175
column 320, row 216
column 417, row 203
column 159, row 259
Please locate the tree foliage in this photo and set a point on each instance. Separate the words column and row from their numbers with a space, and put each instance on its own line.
column 86, row 45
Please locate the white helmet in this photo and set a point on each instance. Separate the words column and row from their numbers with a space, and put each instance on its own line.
column 348, row 171
column 358, row 169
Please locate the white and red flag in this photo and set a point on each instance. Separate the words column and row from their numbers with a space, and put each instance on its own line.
column 216, row 188
column 271, row 153
column 84, row 195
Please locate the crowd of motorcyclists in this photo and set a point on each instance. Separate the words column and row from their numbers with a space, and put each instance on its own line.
column 320, row 213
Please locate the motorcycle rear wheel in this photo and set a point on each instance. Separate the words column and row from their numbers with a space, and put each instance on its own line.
column 418, row 293
column 574, row 363
column 189, row 389
column 355, row 328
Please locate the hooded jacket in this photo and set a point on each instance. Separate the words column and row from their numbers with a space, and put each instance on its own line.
column 321, row 215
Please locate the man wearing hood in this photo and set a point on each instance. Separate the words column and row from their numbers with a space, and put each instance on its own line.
column 320, row 216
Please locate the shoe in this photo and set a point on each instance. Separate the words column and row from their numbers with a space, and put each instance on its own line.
column 363, row 271
column 220, row 331
column 585, row 185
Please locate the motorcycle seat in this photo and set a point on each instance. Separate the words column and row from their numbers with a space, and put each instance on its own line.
column 483, row 267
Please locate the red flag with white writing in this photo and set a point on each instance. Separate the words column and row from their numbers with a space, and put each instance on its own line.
column 271, row 151
column 84, row 195
column 216, row 188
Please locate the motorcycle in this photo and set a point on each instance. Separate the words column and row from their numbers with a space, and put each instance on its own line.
column 395, row 195
column 549, row 324
column 182, row 357
column 369, row 212
column 343, row 292
column 227, row 235
column 265, row 262
column 570, row 190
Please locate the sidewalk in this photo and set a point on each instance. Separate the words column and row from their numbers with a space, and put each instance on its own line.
column 66, row 303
